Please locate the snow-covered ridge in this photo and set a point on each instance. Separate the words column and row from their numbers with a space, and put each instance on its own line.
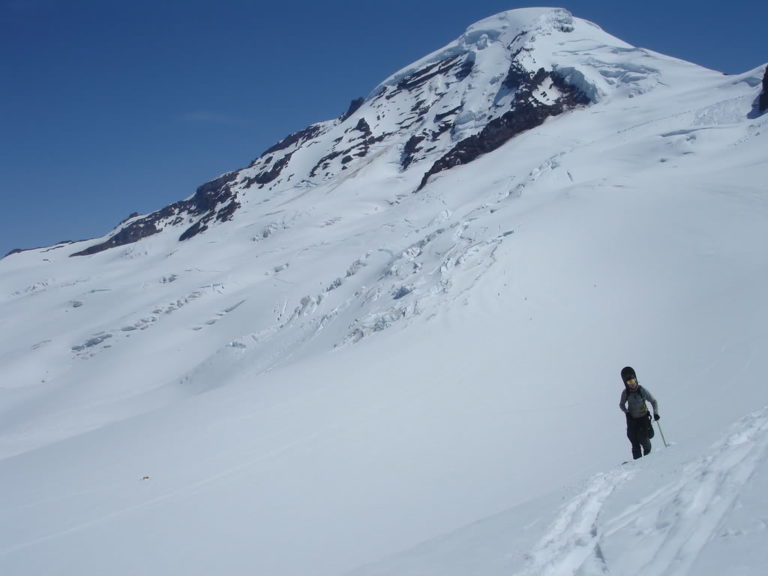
column 503, row 76
column 504, row 28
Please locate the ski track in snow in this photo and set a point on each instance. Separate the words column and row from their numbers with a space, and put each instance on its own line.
column 574, row 538
column 670, row 528
column 489, row 280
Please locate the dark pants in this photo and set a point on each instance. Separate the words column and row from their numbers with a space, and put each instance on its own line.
column 637, row 432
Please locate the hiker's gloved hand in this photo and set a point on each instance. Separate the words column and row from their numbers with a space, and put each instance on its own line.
column 656, row 416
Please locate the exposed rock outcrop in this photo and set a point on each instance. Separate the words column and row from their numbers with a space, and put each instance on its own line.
column 213, row 200
column 354, row 106
column 531, row 108
column 445, row 110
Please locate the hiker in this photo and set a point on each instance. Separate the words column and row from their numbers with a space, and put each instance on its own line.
column 633, row 404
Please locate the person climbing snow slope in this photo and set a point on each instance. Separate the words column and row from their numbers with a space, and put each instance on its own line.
column 633, row 403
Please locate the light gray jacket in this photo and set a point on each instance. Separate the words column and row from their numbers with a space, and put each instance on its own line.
column 634, row 403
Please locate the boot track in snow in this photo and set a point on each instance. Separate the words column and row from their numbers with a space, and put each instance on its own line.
column 671, row 527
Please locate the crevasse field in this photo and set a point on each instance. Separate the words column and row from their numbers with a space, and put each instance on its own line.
column 354, row 378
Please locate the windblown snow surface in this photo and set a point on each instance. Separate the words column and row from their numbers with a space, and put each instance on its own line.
column 352, row 378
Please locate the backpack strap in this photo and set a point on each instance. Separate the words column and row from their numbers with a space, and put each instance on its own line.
column 643, row 395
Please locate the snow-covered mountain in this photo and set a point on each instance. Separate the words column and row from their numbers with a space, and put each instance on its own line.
column 391, row 344
column 505, row 75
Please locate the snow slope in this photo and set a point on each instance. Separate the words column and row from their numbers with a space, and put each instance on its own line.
column 351, row 377
column 658, row 516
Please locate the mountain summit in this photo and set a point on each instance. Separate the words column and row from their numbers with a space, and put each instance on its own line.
column 392, row 344
column 505, row 75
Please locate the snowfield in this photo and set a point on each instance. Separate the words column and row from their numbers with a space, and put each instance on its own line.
column 656, row 516
column 350, row 377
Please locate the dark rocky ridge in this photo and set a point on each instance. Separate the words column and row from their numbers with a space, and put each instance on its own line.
column 218, row 200
column 359, row 147
column 410, row 149
column 301, row 136
column 213, row 201
column 354, row 106
column 453, row 69
column 527, row 112
column 459, row 65
column 204, row 205
column 764, row 96
column 271, row 165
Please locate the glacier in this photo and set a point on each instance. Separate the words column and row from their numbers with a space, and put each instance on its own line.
column 327, row 363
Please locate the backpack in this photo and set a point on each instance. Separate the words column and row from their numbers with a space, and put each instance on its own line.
column 640, row 391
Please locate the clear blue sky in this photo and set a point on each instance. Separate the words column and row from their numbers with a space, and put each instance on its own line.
column 108, row 108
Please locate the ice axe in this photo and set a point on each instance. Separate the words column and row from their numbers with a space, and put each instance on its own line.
column 662, row 435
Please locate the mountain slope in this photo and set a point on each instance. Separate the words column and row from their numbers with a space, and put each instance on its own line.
column 689, row 518
column 342, row 367
column 505, row 75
